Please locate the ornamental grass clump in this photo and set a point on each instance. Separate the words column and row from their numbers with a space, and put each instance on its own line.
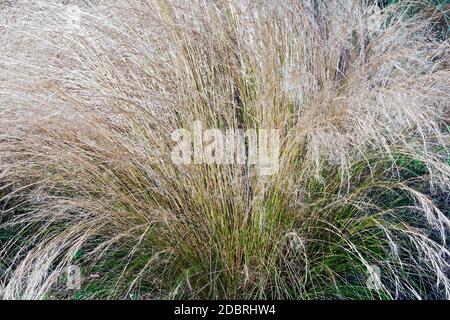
column 91, row 93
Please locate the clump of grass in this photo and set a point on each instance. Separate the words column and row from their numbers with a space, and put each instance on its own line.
column 359, row 95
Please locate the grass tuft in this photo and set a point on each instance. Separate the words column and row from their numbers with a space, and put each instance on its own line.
column 88, row 104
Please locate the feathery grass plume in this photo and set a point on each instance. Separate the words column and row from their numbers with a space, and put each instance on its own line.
column 91, row 93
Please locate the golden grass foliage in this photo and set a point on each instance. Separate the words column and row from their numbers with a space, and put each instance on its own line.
column 360, row 96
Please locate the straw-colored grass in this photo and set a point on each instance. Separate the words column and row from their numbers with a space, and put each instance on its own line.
column 360, row 96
